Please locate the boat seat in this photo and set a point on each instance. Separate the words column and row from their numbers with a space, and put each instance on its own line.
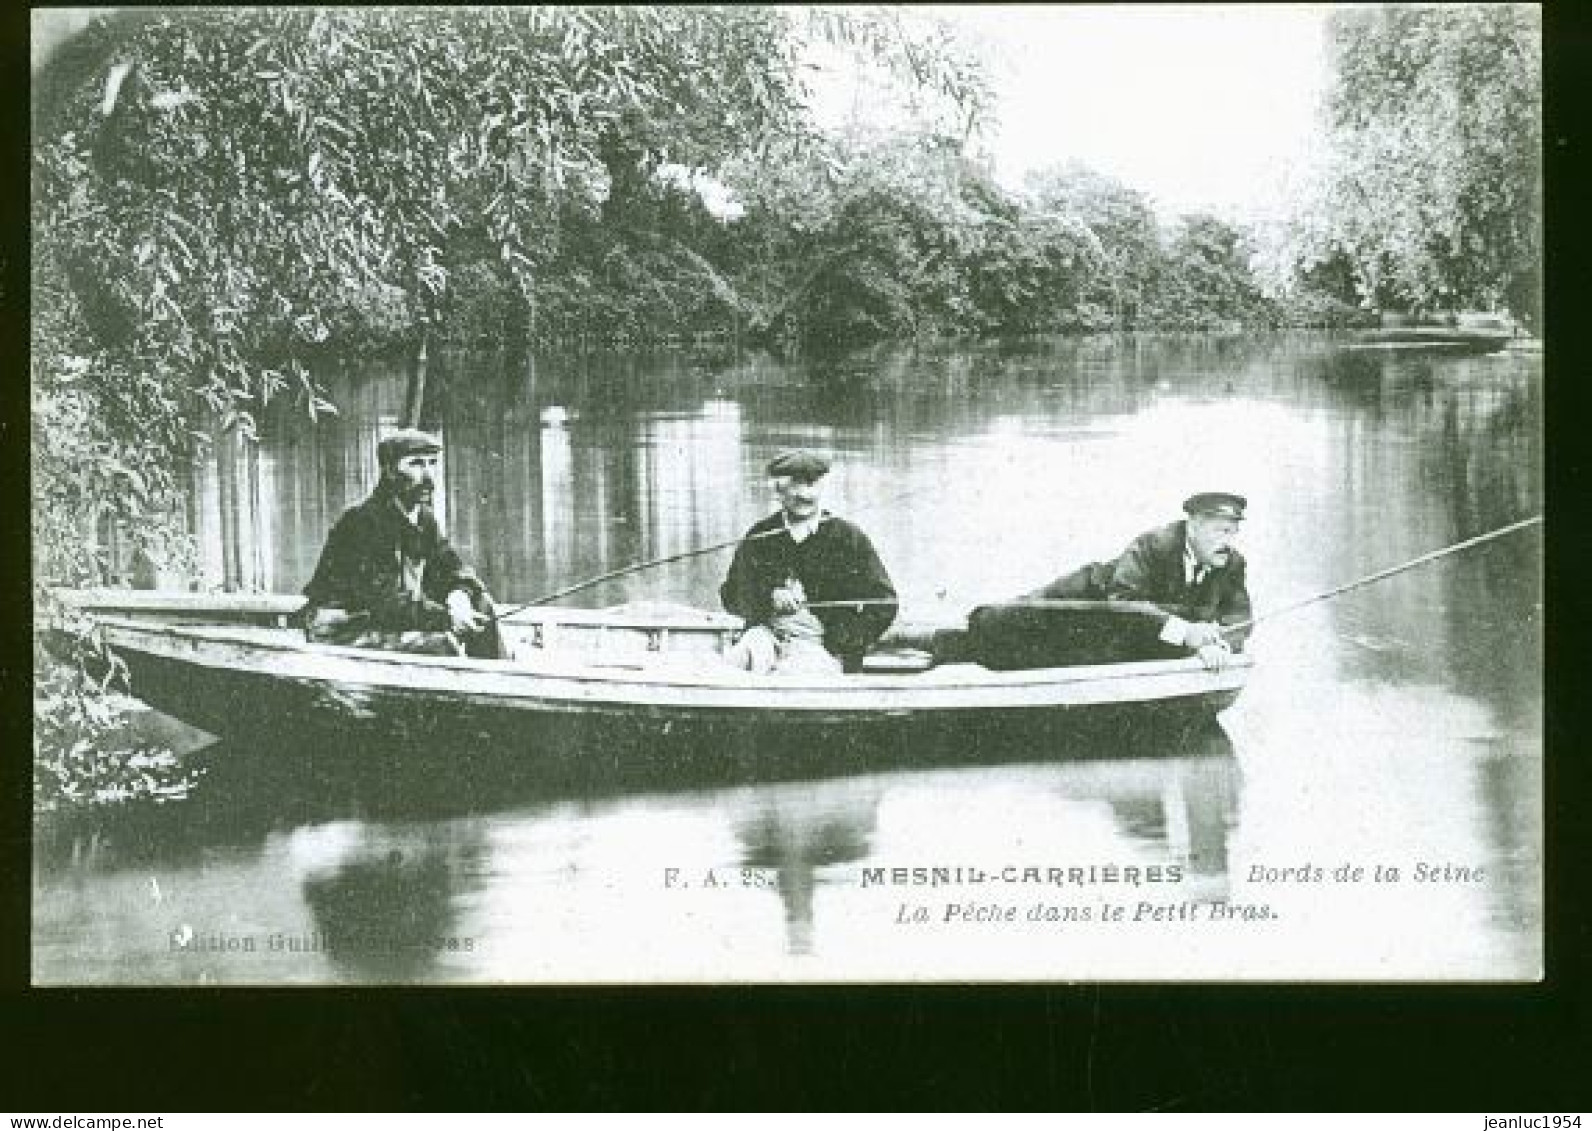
column 897, row 662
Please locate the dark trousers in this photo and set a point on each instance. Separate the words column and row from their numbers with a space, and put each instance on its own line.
column 331, row 625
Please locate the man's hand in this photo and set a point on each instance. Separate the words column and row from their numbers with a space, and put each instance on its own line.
column 1215, row 656
column 1202, row 634
column 787, row 599
column 462, row 617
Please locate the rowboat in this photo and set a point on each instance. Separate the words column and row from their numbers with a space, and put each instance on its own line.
column 614, row 685
column 1450, row 339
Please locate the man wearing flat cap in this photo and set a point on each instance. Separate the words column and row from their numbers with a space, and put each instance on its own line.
column 387, row 578
column 794, row 578
column 1189, row 568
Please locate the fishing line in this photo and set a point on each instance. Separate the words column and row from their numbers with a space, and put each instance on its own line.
column 1339, row 590
column 637, row 567
column 1382, row 575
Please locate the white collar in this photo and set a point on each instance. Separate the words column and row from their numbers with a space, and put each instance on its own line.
column 803, row 530
column 1191, row 564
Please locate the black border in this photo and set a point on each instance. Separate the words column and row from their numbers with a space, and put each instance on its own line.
column 1498, row 1049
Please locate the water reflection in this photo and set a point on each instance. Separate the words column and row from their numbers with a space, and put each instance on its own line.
column 794, row 835
column 1400, row 723
column 383, row 900
column 1195, row 809
column 763, row 873
column 1083, row 443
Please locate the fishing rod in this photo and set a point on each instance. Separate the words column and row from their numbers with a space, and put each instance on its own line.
column 637, row 567
column 1036, row 602
column 1380, row 575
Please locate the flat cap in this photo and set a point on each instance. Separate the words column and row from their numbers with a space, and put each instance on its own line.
column 1216, row 504
column 406, row 442
column 798, row 463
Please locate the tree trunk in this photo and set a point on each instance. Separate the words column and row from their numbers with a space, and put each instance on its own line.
column 415, row 396
column 627, row 177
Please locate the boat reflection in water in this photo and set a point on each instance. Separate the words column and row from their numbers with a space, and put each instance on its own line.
column 1187, row 806
column 342, row 879
column 384, row 899
column 1176, row 810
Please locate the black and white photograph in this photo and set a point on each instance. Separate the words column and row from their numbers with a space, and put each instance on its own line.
column 746, row 495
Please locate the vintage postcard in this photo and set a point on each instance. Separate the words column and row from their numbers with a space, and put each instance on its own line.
column 797, row 494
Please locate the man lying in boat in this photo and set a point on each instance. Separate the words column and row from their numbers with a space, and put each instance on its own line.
column 387, row 578
column 792, row 571
column 1188, row 572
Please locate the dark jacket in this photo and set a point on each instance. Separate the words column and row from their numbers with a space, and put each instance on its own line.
column 1151, row 569
column 836, row 562
column 361, row 570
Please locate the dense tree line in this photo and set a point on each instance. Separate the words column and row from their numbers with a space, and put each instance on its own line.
column 905, row 237
column 225, row 199
column 1428, row 192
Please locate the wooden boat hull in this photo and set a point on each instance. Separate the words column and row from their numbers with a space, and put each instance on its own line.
column 1432, row 338
column 264, row 685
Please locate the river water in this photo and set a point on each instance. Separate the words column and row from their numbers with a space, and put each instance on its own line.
column 1370, row 809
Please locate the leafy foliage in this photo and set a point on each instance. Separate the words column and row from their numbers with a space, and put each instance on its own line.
column 1206, row 281
column 254, row 189
column 906, row 236
column 87, row 753
column 1121, row 225
column 1429, row 188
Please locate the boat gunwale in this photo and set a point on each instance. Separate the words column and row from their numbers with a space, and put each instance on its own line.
column 100, row 603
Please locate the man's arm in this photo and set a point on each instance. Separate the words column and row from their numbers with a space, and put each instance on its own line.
column 866, row 579
column 1132, row 575
column 451, row 582
column 336, row 578
column 1234, row 606
column 855, row 574
column 1079, row 585
column 741, row 592
column 448, row 573
column 1133, row 579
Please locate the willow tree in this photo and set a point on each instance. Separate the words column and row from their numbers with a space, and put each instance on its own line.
column 225, row 196
column 1429, row 185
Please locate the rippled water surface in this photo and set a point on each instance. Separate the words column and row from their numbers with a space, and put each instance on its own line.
column 1397, row 727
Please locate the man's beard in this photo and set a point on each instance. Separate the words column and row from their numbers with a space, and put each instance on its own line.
column 411, row 495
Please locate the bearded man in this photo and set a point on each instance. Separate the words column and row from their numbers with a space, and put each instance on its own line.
column 389, row 579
